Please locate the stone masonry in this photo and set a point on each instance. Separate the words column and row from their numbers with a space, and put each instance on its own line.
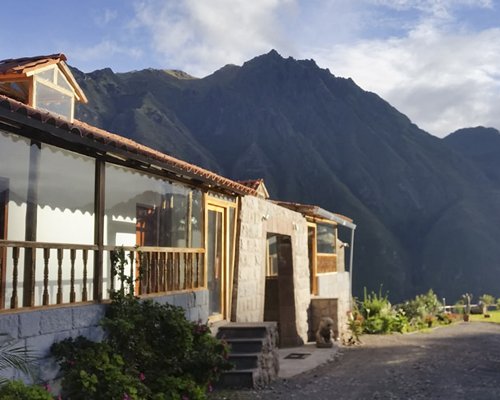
column 39, row 329
column 259, row 217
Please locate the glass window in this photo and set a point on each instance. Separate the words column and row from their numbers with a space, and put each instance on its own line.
column 325, row 238
column 61, row 81
column 52, row 100
column 48, row 75
column 145, row 210
column 14, row 171
column 65, row 197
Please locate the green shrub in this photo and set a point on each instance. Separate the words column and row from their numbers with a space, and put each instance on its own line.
column 94, row 371
column 18, row 390
column 422, row 309
column 159, row 341
column 379, row 316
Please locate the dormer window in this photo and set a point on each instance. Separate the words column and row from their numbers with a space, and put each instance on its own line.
column 44, row 82
column 53, row 93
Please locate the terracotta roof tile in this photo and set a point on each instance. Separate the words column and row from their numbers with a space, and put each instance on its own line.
column 23, row 65
column 252, row 183
column 83, row 129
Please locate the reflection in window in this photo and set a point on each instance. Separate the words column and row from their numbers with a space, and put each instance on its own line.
column 272, row 255
column 52, row 100
column 145, row 210
column 325, row 238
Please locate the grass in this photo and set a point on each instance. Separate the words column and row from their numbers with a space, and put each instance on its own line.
column 494, row 317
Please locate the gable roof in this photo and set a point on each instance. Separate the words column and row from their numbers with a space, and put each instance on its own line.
column 258, row 185
column 318, row 212
column 77, row 132
column 15, row 68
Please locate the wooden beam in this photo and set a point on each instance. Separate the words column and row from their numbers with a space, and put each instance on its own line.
column 99, row 228
column 31, row 224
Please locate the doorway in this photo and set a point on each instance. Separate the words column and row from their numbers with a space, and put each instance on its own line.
column 279, row 300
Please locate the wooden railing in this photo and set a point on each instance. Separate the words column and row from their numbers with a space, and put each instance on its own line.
column 36, row 274
column 157, row 270
column 45, row 273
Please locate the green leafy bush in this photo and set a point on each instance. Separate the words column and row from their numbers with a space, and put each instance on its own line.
column 94, row 371
column 379, row 315
column 18, row 390
column 151, row 352
column 159, row 341
column 422, row 310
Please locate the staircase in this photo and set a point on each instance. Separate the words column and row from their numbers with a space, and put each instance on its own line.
column 254, row 353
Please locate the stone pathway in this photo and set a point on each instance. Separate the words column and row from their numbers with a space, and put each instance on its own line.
column 456, row 362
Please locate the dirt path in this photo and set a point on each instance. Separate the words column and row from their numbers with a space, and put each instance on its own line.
column 461, row 361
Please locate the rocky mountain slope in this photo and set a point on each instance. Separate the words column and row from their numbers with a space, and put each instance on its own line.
column 427, row 214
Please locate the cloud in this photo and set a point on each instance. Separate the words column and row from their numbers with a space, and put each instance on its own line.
column 202, row 36
column 443, row 81
column 106, row 49
column 423, row 56
column 105, row 17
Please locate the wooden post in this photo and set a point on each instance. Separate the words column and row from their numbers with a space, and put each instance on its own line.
column 31, row 224
column 99, row 205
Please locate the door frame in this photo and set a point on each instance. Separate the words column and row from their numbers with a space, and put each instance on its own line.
column 229, row 241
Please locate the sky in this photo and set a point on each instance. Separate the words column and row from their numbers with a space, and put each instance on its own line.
column 437, row 61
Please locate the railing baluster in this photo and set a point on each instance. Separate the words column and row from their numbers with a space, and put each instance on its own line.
column 112, row 271
column 148, row 272
column 195, row 270
column 169, row 271
column 72, row 294
column 201, row 267
column 85, row 257
column 46, row 257
column 59, row 276
column 163, row 269
column 178, row 277
column 185, row 283
column 15, row 260
column 131, row 255
column 3, row 251
column 155, row 274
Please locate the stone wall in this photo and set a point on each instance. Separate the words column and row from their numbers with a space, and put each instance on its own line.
column 258, row 217
column 336, row 285
column 39, row 329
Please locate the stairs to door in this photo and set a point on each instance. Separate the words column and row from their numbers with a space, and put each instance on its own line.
column 253, row 352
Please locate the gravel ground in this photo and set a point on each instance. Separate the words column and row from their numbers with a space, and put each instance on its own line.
column 461, row 361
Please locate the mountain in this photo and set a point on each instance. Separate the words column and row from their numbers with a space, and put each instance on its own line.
column 427, row 215
column 481, row 146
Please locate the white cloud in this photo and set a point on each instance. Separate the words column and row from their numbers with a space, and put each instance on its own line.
column 106, row 17
column 103, row 50
column 443, row 81
column 439, row 71
column 202, row 36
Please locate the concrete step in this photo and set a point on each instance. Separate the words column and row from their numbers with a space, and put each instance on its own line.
column 237, row 379
column 244, row 361
column 231, row 331
column 245, row 345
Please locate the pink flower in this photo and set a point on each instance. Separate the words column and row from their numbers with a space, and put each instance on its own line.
column 46, row 387
column 126, row 397
column 142, row 377
column 210, row 388
column 185, row 397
